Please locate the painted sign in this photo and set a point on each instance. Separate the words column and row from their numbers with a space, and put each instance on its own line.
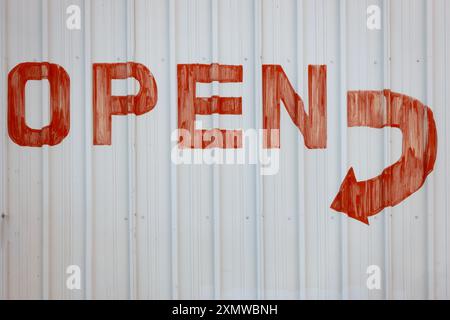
column 374, row 109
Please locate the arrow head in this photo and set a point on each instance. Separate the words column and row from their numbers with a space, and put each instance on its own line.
column 347, row 199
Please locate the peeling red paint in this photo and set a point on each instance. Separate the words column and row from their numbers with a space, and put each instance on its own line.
column 59, row 126
column 190, row 105
column 378, row 109
column 276, row 88
column 106, row 105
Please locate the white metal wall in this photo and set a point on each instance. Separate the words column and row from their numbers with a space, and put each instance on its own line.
column 141, row 227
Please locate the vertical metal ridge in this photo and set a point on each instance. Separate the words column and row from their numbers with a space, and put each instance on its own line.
column 4, row 259
column 131, row 150
column 276, row 226
column 447, row 219
column 89, row 221
column 260, row 291
column 173, row 168
column 387, row 157
column 301, row 160
column 46, row 229
column 324, row 160
column 343, row 135
column 430, row 180
column 216, row 171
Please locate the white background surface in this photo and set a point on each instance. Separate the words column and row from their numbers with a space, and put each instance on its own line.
column 140, row 227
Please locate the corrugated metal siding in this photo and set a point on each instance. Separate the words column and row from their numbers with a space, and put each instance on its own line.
column 141, row 227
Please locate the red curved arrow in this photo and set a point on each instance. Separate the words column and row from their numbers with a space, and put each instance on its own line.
column 378, row 109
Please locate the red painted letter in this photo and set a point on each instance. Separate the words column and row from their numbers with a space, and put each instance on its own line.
column 276, row 87
column 189, row 105
column 106, row 105
column 378, row 109
column 59, row 125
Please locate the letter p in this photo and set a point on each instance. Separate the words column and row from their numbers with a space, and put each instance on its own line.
column 106, row 105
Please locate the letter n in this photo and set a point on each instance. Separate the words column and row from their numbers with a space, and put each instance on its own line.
column 276, row 88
